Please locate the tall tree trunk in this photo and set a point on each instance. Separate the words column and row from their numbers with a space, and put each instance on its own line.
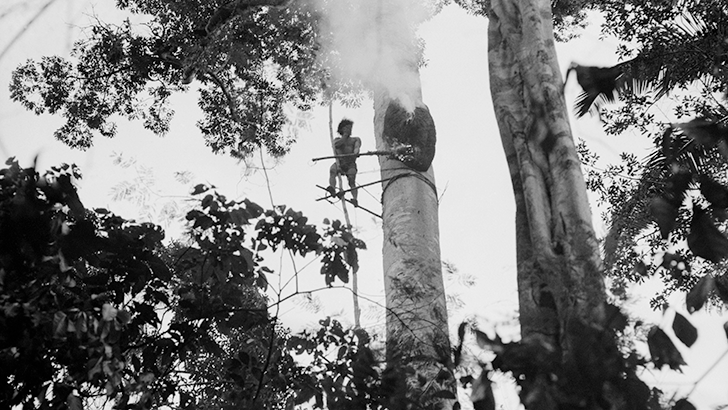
column 559, row 265
column 417, row 327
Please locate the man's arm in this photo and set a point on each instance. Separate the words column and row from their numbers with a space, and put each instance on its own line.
column 357, row 145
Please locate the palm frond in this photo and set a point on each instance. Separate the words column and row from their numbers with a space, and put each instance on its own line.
column 685, row 51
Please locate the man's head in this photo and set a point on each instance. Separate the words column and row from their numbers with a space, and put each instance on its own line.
column 344, row 128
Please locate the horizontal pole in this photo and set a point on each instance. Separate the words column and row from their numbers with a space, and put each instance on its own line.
column 353, row 155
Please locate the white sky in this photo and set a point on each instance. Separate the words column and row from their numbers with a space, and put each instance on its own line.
column 476, row 208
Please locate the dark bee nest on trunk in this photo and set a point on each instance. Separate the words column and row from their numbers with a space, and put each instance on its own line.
column 411, row 135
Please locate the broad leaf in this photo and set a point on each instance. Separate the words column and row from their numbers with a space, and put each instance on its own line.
column 684, row 330
column 664, row 212
column 698, row 295
column 200, row 188
column 721, row 287
column 714, row 192
column 662, row 350
column 124, row 316
column 641, row 268
column 615, row 318
column 704, row 239
column 683, row 404
column 461, row 331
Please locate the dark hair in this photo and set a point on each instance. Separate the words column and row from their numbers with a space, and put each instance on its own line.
column 343, row 124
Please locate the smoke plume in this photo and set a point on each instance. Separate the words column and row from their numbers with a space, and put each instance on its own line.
column 375, row 42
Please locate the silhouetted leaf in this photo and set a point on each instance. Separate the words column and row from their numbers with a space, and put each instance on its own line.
column 615, row 318
column 200, row 188
column 725, row 328
column 721, row 287
column 637, row 393
column 714, row 192
column 458, row 354
column 667, row 146
column 641, row 268
column 253, row 209
column 677, row 186
column 599, row 84
column 123, row 316
column 461, row 331
column 704, row 239
column 662, row 350
column 664, row 213
column 683, row 404
column 697, row 296
column 684, row 330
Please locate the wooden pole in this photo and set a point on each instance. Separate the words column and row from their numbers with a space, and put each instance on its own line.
column 353, row 155
column 354, row 282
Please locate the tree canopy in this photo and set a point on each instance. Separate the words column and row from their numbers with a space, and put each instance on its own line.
column 250, row 58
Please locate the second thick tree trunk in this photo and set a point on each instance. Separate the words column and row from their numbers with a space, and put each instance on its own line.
column 559, row 265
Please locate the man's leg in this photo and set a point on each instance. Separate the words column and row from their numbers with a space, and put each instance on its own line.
column 351, row 176
column 333, row 171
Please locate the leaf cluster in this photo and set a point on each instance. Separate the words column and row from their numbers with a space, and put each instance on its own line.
column 250, row 61
column 95, row 308
column 344, row 371
column 671, row 49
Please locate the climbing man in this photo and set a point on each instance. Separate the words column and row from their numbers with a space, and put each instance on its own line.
column 348, row 147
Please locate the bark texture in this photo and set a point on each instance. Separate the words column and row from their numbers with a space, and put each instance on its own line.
column 559, row 265
column 417, row 327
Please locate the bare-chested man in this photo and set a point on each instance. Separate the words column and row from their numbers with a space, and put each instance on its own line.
column 346, row 144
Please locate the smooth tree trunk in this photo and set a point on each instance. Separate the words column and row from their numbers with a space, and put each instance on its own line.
column 418, row 345
column 559, row 266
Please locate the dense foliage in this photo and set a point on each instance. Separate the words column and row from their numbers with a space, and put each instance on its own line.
column 250, row 57
column 96, row 308
column 591, row 369
column 674, row 58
